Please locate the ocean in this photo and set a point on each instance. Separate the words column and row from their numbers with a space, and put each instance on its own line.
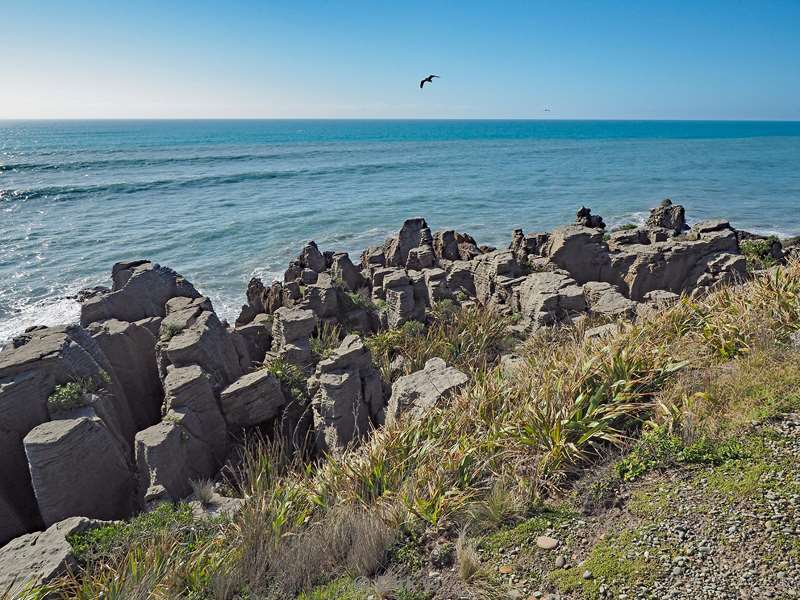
column 221, row 201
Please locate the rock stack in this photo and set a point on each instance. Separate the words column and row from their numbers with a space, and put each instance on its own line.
column 103, row 418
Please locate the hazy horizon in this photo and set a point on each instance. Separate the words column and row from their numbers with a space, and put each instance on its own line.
column 309, row 60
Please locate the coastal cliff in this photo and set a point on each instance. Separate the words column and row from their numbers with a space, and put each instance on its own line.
column 152, row 400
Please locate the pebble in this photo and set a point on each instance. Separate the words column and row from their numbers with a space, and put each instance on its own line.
column 546, row 543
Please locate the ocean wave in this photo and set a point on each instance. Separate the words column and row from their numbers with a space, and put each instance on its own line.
column 48, row 312
column 69, row 192
column 150, row 161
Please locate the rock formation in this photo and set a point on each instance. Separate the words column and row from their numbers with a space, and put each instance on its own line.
column 102, row 419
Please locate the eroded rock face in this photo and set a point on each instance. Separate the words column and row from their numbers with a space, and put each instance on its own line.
column 78, row 469
column 190, row 388
column 606, row 300
column 192, row 334
column 169, row 456
column 141, row 290
column 31, row 368
column 709, row 255
column 131, row 349
column 414, row 233
column 253, row 399
column 668, row 216
column 415, row 394
column 347, row 396
column 291, row 330
column 546, row 298
column 585, row 218
column 581, row 252
column 38, row 558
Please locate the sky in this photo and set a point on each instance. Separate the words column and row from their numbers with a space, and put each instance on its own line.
column 352, row 59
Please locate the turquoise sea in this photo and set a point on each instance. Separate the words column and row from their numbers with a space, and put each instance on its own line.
column 220, row 201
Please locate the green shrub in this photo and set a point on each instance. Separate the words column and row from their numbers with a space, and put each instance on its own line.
column 625, row 227
column 71, row 395
column 291, row 377
column 106, row 542
column 759, row 252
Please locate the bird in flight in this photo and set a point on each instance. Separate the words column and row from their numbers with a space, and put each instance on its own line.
column 428, row 79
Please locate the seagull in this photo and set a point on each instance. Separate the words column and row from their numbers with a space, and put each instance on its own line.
column 546, row 110
column 428, row 79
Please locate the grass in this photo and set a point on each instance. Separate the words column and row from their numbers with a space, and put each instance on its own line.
column 326, row 339
column 495, row 449
column 470, row 339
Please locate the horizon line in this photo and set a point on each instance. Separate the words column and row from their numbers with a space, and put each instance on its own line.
column 540, row 119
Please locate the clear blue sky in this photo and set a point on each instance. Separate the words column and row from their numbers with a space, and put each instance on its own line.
column 582, row 59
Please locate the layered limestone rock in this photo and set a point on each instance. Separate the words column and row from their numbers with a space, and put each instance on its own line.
column 253, row 399
column 140, row 290
column 131, row 349
column 546, row 298
column 169, row 456
column 668, row 216
column 32, row 367
column 291, row 330
column 347, row 396
column 189, row 389
column 78, row 468
column 415, row 394
column 38, row 558
column 192, row 334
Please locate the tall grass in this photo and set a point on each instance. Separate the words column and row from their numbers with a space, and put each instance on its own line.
column 571, row 401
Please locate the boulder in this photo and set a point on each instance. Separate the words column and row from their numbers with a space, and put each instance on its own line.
column 421, row 257
column 216, row 506
column 78, row 469
column 347, row 396
column 253, row 399
column 445, row 245
column 311, row 258
column 413, row 233
column 291, row 330
column 668, row 216
column 400, row 303
column 190, row 388
column 606, row 300
column 373, row 258
column 39, row 558
column 581, row 252
column 416, row 394
column 141, row 290
column 18, row 511
column 345, row 271
column 322, row 299
column 601, row 331
column 524, row 245
column 461, row 279
column 549, row 297
column 585, row 218
column 169, row 456
column 131, row 348
column 490, row 270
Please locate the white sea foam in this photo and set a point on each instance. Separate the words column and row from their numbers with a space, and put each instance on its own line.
column 48, row 312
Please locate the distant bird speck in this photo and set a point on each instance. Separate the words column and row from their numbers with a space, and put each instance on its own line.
column 428, row 79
